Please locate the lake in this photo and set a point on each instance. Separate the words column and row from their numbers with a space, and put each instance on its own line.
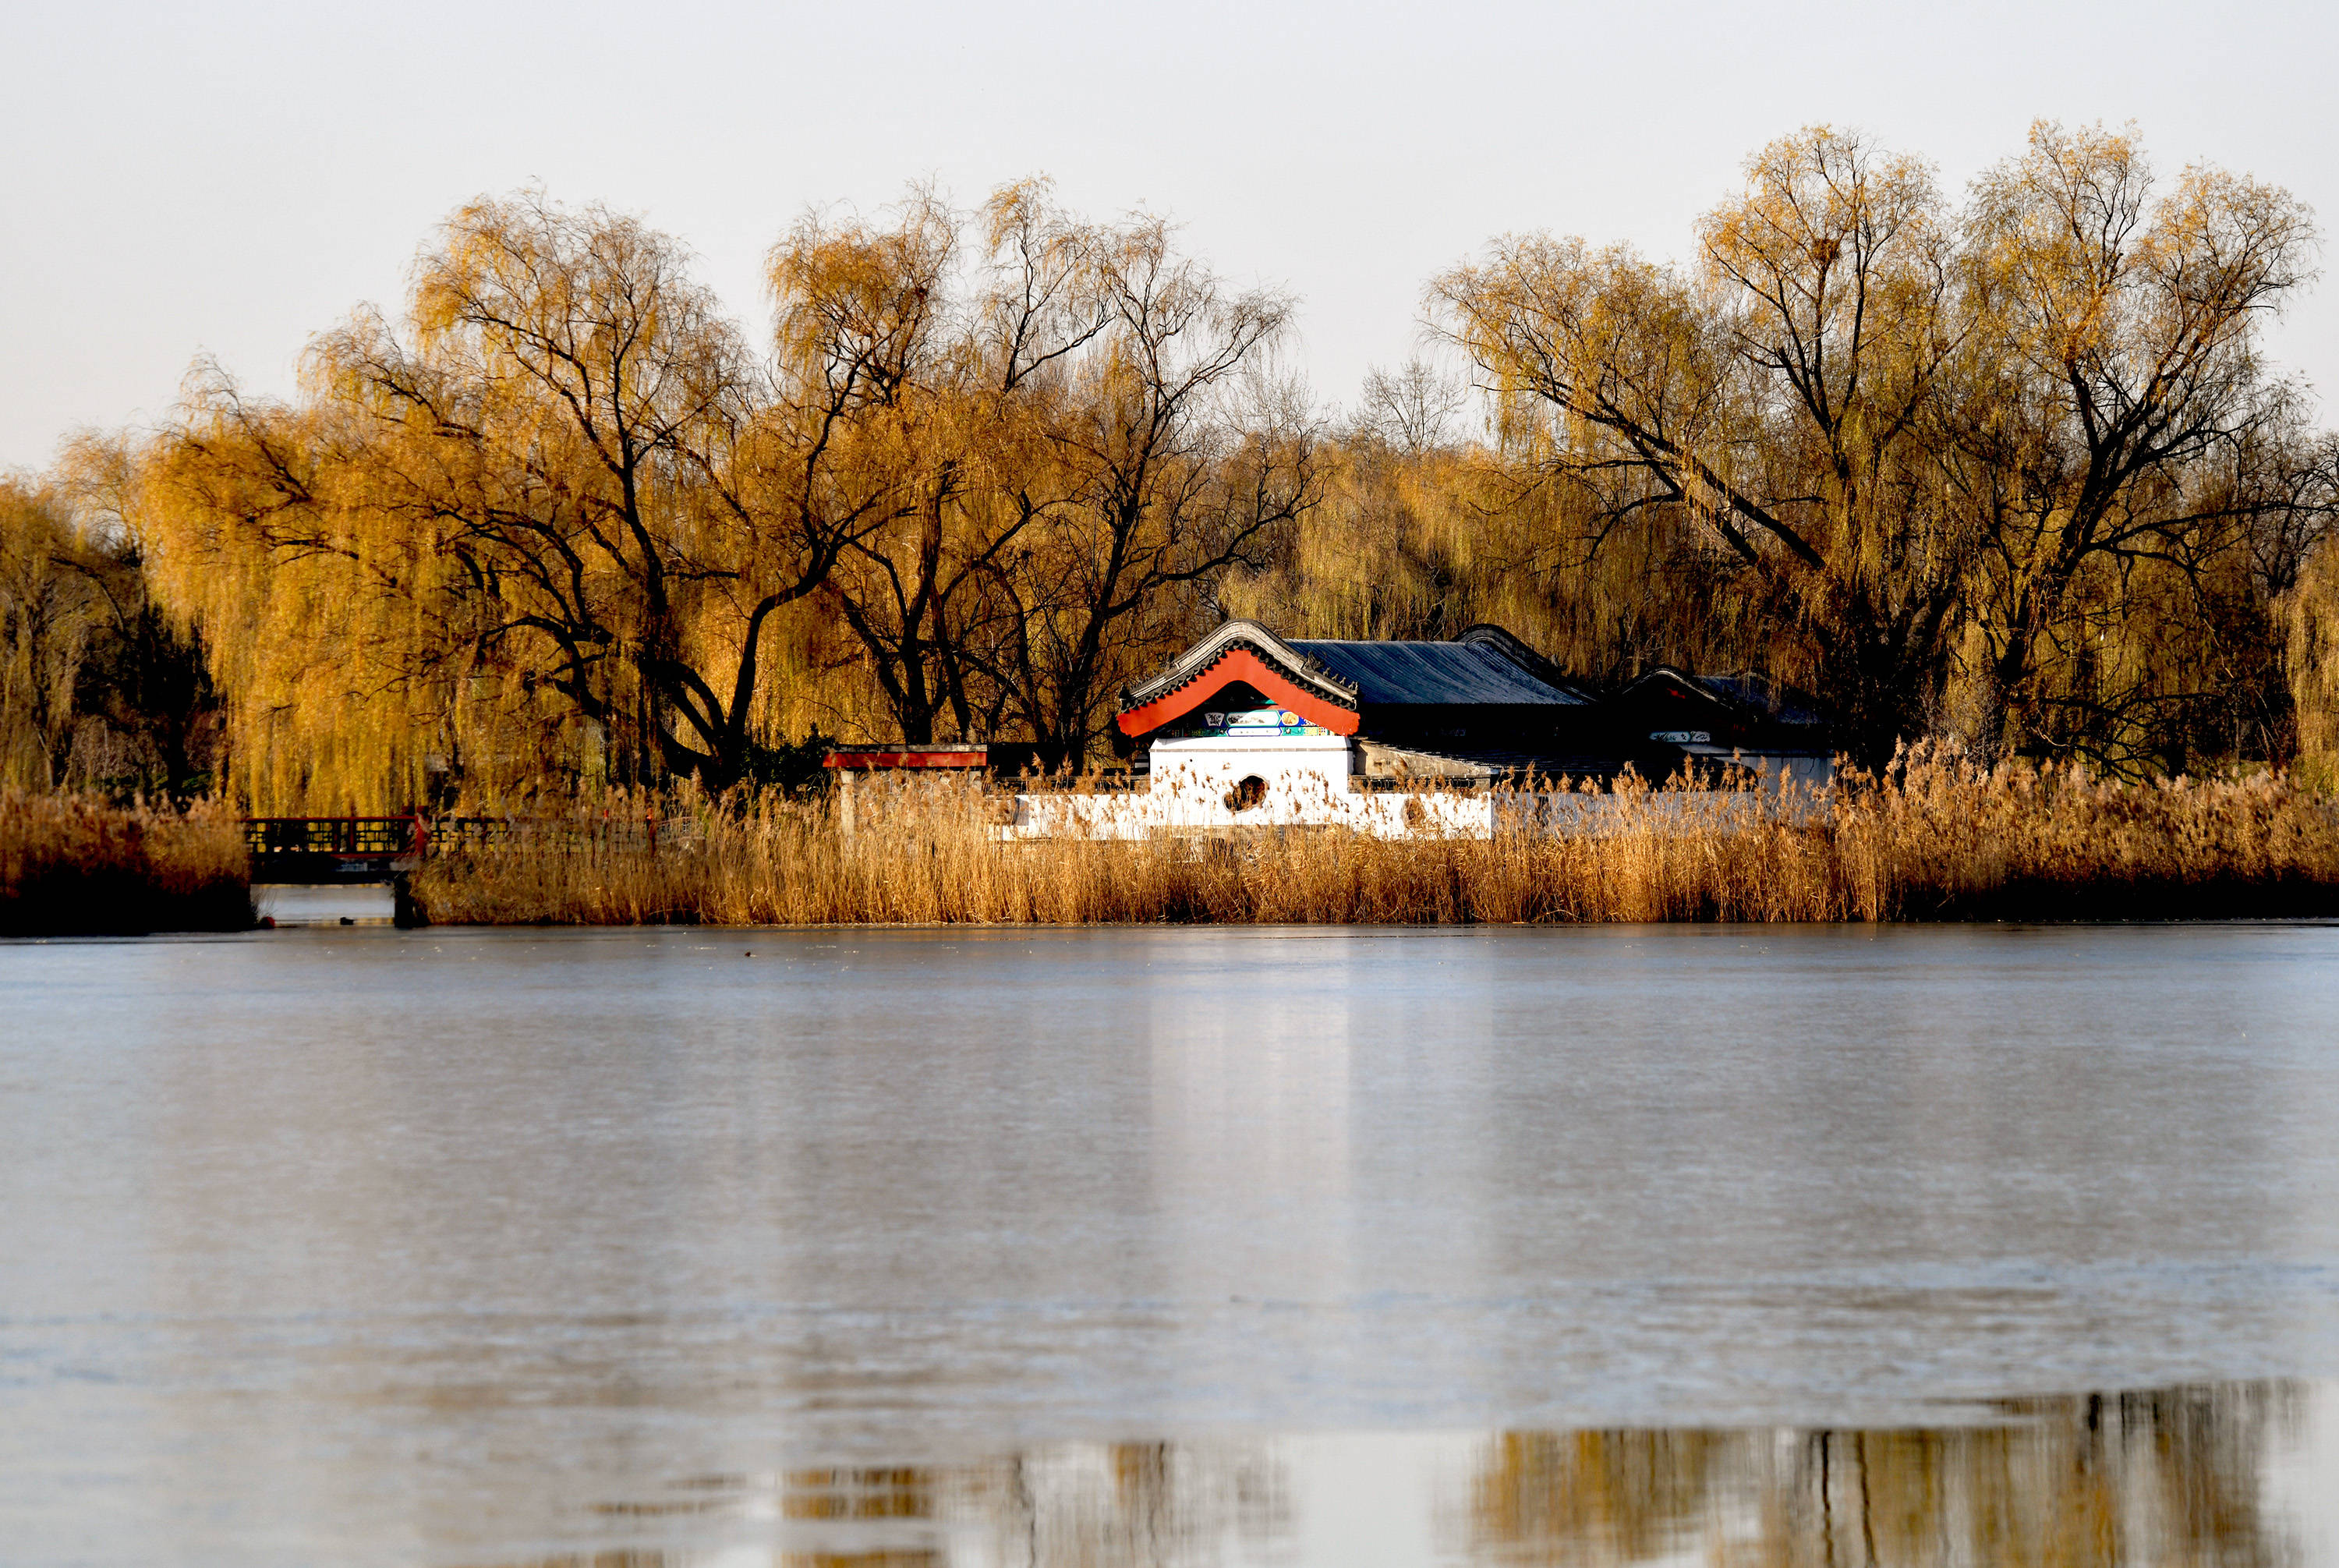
column 1181, row 1246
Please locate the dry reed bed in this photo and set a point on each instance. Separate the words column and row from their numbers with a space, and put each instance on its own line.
column 73, row 866
column 1933, row 841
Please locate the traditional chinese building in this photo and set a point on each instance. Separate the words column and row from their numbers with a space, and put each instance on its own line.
column 1247, row 728
column 1483, row 706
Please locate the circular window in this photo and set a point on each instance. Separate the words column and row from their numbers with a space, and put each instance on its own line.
column 1247, row 792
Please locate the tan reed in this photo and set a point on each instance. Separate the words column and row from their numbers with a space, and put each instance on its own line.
column 1935, row 839
column 74, row 865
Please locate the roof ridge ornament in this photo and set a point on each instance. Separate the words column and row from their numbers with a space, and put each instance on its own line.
column 1503, row 640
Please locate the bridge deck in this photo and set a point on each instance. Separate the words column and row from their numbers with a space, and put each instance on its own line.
column 335, row 848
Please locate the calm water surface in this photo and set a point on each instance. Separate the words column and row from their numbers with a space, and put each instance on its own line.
column 348, row 1245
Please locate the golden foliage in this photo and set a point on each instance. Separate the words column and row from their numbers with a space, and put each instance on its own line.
column 2312, row 664
column 1984, row 462
column 97, row 691
column 560, row 530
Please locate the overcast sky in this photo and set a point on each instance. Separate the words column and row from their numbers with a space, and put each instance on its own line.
column 229, row 179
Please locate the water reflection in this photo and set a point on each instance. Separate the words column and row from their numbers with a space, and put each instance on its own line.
column 1101, row 1505
column 2225, row 1473
column 2167, row 1475
column 444, row 1247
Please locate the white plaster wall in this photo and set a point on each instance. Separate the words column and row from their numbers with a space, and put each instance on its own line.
column 1306, row 776
column 1307, row 784
column 1143, row 816
column 1425, row 813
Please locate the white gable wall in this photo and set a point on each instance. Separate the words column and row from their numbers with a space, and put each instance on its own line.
column 1304, row 774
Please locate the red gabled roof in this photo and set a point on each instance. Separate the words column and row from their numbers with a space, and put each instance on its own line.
column 1238, row 664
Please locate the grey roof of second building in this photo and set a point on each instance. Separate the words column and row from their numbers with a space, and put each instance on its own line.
column 1471, row 674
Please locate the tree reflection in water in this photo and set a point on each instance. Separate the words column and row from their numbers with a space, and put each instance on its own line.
column 2176, row 1476
column 2169, row 1475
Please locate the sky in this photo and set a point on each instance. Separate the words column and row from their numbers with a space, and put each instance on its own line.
column 230, row 179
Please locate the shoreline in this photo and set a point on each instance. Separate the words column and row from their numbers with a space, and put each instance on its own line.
column 1937, row 843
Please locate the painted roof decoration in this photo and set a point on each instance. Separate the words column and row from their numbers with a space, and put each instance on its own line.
column 1247, row 652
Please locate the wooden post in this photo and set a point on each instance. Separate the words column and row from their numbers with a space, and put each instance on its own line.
column 844, row 813
column 405, row 913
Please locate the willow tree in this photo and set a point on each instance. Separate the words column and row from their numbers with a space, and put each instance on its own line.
column 1778, row 401
column 625, row 499
column 1174, row 456
column 955, row 404
column 2128, row 435
column 49, row 610
column 238, row 506
column 98, row 687
column 1075, row 407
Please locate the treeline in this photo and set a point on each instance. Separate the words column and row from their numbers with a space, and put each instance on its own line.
column 2006, row 471
column 2011, row 473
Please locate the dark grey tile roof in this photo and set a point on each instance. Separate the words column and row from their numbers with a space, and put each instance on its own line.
column 1408, row 673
